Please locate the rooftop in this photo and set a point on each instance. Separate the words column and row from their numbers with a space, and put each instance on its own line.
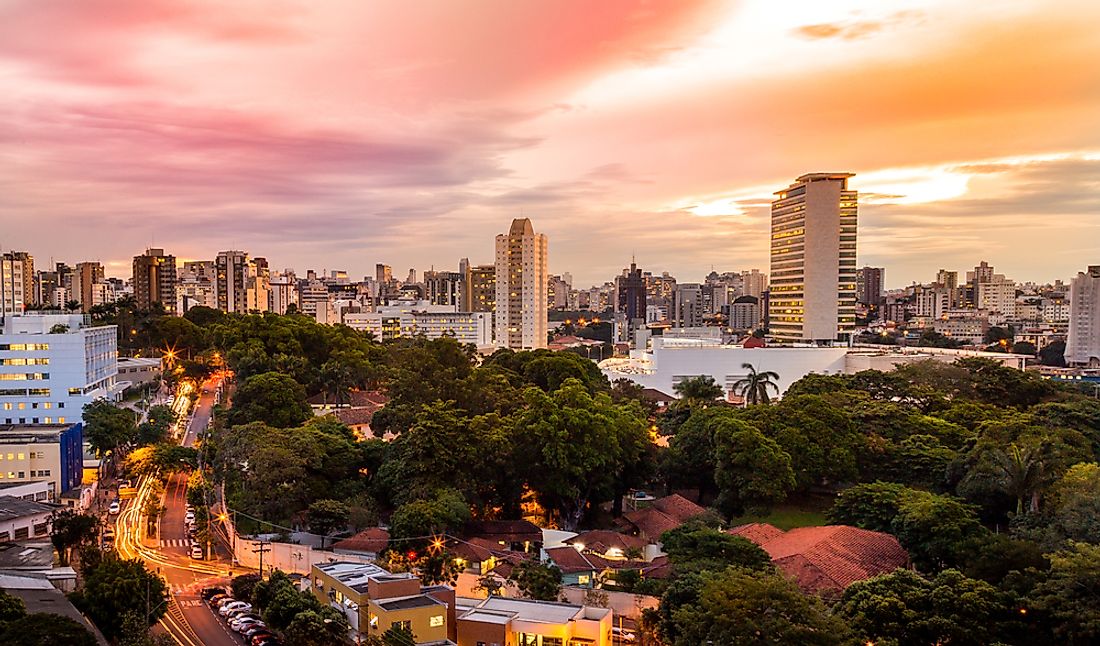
column 412, row 601
column 371, row 540
column 22, row 556
column 12, row 508
column 21, row 434
column 502, row 609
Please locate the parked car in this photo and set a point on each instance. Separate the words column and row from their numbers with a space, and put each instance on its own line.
column 210, row 593
column 623, row 634
column 108, row 535
column 114, row 508
column 222, row 601
column 196, row 552
column 189, row 517
column 256, row 631
column 266, row 640
column 217, row 597
column 234, row 605
column 241, row 624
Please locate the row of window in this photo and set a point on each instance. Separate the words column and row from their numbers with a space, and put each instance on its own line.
column 35, row 420
column 24, row 346
column 34, row 405
column 24, row 392
column 24, row 361
column 24, row 376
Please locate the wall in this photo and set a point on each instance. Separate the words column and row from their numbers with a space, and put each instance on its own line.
column 621, row 603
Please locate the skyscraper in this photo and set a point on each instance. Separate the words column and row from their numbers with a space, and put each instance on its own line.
column 869, row 286
column 1083, row 342
column 687, row 305
column 480, row 290
column 812, row 294
column 630, row 297
column 231, row 281
column 154, row 280
column 88, row 286
column 521, row 279
column 16, row 281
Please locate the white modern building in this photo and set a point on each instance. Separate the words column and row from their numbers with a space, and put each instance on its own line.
column 51, row 365
column 668, row 361
column 521, row 284
column 410, row 318
column 1083, row 342
column 812, row 296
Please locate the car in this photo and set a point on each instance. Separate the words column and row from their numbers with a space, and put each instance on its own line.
column 210, row 593
column 196, row 552
column 623, row 634
column 236, row 619
column 258, row 630
column 189, row 517
column 114, row 508
column 237, row 613
column 234, row 605
column 241, row 624
column 218, row 603
column 216, row 597
column 266, row 640
column 108, row 535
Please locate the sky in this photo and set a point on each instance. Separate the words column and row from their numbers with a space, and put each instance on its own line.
column 336, row 134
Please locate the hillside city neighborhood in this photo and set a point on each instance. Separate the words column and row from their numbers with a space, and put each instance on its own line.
column 490, row 455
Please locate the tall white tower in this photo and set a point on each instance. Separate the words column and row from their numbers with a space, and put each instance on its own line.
column 521, row 286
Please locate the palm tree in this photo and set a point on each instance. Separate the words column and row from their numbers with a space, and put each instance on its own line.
column 72, row 306
column 1018, row 471
column 702, row 388
column 754, row 386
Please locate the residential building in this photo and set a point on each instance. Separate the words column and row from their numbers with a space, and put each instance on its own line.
column 630, row 299
column 745, row 313
column 521, row 279
column 154, row 280
column 1083, row 342
column 753, row 282
column 195, row 285
column 966, row 325
column 231, row 281
column 88, row 286
column 23, row 519
column 374, row 600
column 52, row 365
column 48, row 289
column 444, row 287
column 410, row 318
column 997, row 294
column 687, row 305
column 869, row 286
column 525, row 622
column 557, row 293
column 949, row 280
column 16, row 282
column 257, row 293
column 813, row 259
column 134, row 372
column 826, row 560
column 370, row 542
column 51, row 453
column 284, row 292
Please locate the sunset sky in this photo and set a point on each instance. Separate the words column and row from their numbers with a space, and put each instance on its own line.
column 337, row 134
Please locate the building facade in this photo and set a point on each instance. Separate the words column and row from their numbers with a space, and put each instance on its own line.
column 50, row 453
column 1083, row 342
column 231, row 281
column 630, row 298
column 869, row 286
column 812, row 294
column 521, row 280
column 15, row 269
column 688, row 305
column 154, row 280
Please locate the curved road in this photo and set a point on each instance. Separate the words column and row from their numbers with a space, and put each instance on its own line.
column 188, row 621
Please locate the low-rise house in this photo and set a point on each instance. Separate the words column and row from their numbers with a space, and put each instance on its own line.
column 23, row 519
column 370, row 542
column 577, row 567
column 659, row 516
column 826, row 560
column 356, row 412
column 613, row 546
column 523, row 622
column 513, row 535
column 374, row 600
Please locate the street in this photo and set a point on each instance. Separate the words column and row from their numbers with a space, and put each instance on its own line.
column 189, row 621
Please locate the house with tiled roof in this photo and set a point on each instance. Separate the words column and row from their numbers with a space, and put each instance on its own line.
column 577, row 567
column 357, row 412
column 370, row 543
column 659, row 516
column 826, row 560
column 514, row 535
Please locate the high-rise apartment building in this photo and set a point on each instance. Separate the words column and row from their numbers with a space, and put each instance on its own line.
column 444, row 287
column 480, row 289
column 812, row 294
column 949, row 280
column 1083, row 342
column 257, row 293
column 88, row 286
column 869, row 286
column 521, row 275
column 557, row 293
column 231, row 281
column 753, row 283
column 16, row 282
column 688, row 305
column 154, row 280
column 284, row 292
column 630, row 293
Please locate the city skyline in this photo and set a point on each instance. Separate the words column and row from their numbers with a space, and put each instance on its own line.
column 310, row 132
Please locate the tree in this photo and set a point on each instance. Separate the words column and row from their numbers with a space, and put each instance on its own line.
column 158, row 422
column 537, row 581
column 108, row 427
column 445, row 511
column 11, row 607
column 397, row 635
column 1075, row 504
column 327, row 516
column 323, row 626
column 690, row 459
column 1069, row 597
column 1053, row 354
column 906, row 609
column 741, row 607
column 117, row 586
column 45, row 629
column 273, row 398
column 72, row 529
column 702, row 388
column 242, row 586
column 754, row 386
column 695, row 548
column 752, row 471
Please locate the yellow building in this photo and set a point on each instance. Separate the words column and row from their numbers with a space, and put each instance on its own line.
column 503, row 621
column 374, row 600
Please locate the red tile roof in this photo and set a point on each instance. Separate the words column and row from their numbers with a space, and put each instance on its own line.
column 570, row 560
column 662, row 515
column 601, row 540
column 658, row 568
column 824, row 559
column 372, row 541
column 354, row 416
column 510, row 531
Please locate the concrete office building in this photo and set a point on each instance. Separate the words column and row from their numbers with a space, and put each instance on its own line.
column 52, row 365
column 231, row 281
column 480, row 289
column 688, row 305
column 521, row 280
column 16, row 273
column 88, row 286
column 50, row 453
column 813, row 259
column 1083, row 342
column 154, row 280
column 411, row 318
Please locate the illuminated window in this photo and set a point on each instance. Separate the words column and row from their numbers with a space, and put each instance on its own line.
column 435, row 621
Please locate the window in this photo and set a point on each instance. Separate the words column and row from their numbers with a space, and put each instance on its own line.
column 403, row 625
column 435, row 621
column 40, row 529
column 22, row 532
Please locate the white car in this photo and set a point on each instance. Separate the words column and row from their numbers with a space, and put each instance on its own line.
column 196, row 552
column 189, row 517
column 241, row 624
column 236, row 605
column 114, row 508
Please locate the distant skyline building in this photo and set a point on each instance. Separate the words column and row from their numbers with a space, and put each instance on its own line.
column 869, row 285
column 154, row 280
column 16, row 275
column 812, row 294
column 88, row 285
column 521, row 283
column 231, row 281
column 1083, row 342
column 688, row 305
column 480, row 291
column 630, row 299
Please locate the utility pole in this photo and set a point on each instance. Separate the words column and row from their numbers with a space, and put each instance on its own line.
column 261, row 549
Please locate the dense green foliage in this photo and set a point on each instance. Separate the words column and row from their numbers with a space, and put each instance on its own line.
column 114, row 587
